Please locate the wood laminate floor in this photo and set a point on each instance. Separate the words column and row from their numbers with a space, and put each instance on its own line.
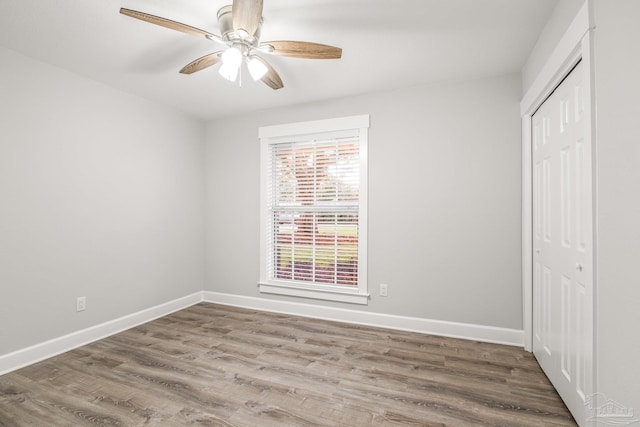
column 214, row 365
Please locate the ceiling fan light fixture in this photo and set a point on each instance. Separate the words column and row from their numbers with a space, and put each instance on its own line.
column 232, row 57
column 256, row 67
column 231, row 62
column 228, row 72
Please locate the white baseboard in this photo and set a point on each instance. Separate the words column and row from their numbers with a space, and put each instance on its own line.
column 489, row 334
column 21, row 358
column 27, row 356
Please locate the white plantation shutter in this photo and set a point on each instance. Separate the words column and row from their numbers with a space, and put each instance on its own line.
column 314, row 209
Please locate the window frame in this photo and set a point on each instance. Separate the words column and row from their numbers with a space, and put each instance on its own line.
column 270, row 135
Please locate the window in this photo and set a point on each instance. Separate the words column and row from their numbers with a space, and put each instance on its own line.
column 314, row 209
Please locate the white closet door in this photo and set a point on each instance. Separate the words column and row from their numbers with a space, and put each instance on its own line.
column 562, row 242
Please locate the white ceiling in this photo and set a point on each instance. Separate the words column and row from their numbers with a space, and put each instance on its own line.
column 387, row 44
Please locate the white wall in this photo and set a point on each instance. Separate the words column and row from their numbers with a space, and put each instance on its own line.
column 554, row 29
column 101, row 195
column 617, row 91
column 444, row 200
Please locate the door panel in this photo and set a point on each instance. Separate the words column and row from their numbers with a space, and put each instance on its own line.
column 562, row 239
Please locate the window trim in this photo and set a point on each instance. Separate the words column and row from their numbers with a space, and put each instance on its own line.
column 277, row 133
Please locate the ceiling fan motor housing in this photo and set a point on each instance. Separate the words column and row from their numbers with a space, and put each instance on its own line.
column 225, row 22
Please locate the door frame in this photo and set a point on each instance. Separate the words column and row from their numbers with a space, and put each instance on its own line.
column 573, row 47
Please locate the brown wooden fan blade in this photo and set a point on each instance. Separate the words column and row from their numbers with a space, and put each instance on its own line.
column 167, row 23
column 271, row 78
column 307, row 50
column 202, row 63
column 247, row 15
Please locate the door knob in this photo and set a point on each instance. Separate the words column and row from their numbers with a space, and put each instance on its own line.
column 579, row 267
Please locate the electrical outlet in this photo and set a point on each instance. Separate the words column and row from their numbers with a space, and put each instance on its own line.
column 383, row 290
column 81, row 303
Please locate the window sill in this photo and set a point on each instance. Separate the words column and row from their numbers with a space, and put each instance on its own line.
column 314, row 293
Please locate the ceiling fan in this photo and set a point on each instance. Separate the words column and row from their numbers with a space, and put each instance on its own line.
column 240, row 26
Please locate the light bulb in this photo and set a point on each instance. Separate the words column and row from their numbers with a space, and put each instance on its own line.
column 257, row 68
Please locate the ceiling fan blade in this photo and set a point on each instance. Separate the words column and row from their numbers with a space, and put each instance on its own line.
column 271, row 78
column 202, row 63
column 247, row 15
column 307, row 50
column 168, row 23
